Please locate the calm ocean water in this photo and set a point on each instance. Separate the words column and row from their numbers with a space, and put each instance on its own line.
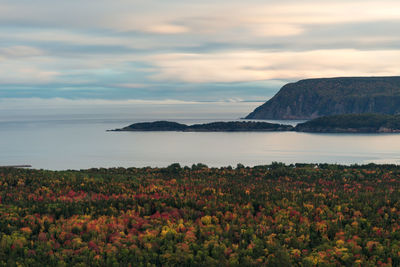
column 77, row 142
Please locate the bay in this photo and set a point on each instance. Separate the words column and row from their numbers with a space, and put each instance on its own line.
column 82, row 142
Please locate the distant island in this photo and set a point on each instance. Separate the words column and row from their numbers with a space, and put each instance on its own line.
column 352, row 123
column 312, row 98
column 231, row 126
column 346, row 123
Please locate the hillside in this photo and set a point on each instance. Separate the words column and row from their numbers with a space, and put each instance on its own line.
column 352, row 123
column 312, row 98
column 274, row 215
column 231, row 126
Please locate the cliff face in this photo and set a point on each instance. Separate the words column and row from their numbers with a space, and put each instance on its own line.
column 312, row 98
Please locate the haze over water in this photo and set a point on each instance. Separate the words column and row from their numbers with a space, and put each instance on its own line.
column 61, row 140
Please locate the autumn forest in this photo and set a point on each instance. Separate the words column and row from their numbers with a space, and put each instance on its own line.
column 274, row 215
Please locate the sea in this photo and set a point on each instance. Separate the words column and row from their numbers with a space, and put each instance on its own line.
column 77, row 138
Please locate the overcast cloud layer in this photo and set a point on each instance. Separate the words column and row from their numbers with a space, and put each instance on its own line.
column 189, row 50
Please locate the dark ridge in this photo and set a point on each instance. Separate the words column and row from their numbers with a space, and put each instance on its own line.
column 232, row 126
column 312, row 98
column 352, row 123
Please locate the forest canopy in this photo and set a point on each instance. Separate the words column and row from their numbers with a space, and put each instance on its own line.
column 274, row 215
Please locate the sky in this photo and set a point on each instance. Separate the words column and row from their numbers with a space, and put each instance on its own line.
column 202, row 51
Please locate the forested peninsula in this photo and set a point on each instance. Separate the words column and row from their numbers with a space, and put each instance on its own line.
column 231, row 126
column 352, row 123
column 346, row 123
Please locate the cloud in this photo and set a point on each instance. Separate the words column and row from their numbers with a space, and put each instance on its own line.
column 122, row 15
column 323, row 12
column 20, row 51
column 189, row 49
column 130, row 85
column 20, row 73
column 25, row 65
column 167, row 29
column 256, row 65
column 276, row 30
